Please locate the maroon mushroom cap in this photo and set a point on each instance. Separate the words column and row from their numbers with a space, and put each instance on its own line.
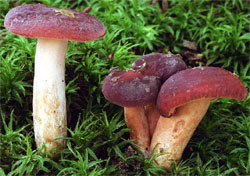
column 197, row 83
column 41, row 21
column 159, row 65
column 130, row 89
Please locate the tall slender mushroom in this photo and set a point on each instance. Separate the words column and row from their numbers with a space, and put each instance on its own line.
column 53, row 27
column 185, row 98
column 133, row 91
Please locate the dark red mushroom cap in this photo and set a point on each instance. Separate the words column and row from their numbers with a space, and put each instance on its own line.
column 197, row 83
column 159, row 64
column 130, row 89
column 41, row 21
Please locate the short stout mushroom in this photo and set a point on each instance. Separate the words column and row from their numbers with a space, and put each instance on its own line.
column 162, row 66
column 185, row 98
column 133, row 91
column 53, row 27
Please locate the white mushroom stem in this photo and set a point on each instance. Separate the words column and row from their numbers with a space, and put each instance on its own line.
column 49, row 103
column 172, row 134
column 137, row 121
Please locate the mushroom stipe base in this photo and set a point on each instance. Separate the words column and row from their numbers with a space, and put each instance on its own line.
column 137, row 121
column 173, row 134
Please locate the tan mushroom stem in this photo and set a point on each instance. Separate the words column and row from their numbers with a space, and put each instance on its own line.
column 49, row 103
column 153, row 116
column 173, row 134
column 138, row 123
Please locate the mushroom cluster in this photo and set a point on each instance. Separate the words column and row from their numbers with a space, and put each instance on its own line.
column 53, row 27
column 164, row 101
column 137, row 89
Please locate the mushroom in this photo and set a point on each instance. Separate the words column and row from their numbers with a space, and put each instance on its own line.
column 185, row 98
column 133, row 91
column 159, row 64
column 162, row 66
column 53, row 27
column 136, row 90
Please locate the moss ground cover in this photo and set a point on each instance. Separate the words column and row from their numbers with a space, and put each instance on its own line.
column 98, row 140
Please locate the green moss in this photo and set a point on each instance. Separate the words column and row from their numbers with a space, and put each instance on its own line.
column 98, row 137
